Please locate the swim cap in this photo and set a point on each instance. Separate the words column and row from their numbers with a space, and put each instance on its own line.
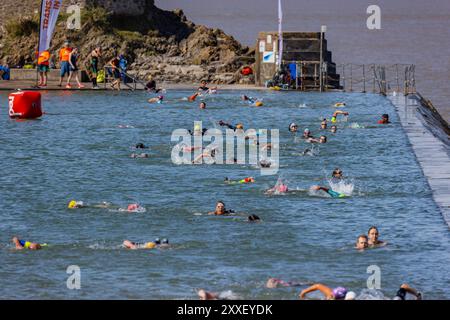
column 339, row 293
column 350, row 295
column 258, row 104
column 282, row 188
column 307, row 130
column 197, row 127
column 132, row 207
column 293, row 124
column 150, row 245
column 75, row 204
column 72, row 204
column 239, row 126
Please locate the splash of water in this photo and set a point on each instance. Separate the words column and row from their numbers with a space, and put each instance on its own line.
column 371, row 294
column 342, row 186
column 356, row 125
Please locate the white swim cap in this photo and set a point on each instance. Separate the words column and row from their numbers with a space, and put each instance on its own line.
column 350, row 295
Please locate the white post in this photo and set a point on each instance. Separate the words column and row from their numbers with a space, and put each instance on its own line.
column 323, row 29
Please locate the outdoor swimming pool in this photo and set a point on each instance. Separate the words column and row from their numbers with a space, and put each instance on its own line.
column 81, row 151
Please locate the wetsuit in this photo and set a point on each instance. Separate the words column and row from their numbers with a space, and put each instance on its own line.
column 25, row 244
column 335, row 194
column 73, row 61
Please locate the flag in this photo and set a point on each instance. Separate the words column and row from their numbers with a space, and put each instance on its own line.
column 280, row 33
column 49, row 16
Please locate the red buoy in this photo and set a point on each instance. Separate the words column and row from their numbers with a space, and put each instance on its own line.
column 25, row 105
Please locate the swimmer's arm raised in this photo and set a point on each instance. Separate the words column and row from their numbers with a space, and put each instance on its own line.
column 411, row 291
column 326, row 291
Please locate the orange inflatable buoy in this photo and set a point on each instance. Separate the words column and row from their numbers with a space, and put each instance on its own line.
column 25, row 105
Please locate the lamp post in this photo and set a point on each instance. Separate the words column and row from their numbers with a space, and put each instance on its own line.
column 323, row 29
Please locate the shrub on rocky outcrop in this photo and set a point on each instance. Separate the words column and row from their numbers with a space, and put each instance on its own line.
column 22, row 27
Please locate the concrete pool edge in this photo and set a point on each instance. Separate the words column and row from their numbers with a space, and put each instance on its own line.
column 426, row 133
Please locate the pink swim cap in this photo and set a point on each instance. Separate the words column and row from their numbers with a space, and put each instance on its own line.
column 132, row 207
column 282, row 188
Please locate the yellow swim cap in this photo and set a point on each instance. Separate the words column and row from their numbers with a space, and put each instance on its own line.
column 72, row 204
column 197, row 127
column 150, row 245
column 258, row 104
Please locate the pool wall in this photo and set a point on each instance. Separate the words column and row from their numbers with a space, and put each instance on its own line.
column 430, row 144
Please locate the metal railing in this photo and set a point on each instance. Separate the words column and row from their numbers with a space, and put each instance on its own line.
column 380, row 78
column 134, row 80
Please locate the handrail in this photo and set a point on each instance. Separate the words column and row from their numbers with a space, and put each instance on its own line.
column 385, row 77
column 134, row 79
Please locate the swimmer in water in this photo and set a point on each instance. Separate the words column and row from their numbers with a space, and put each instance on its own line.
column 158, row 99
column 80, row 204
column 22, row 244
column 265, row 163
column 253, row 218
column 333, row 129
column 202, row 105
column 207, row 295
column 340, row 104
column 293, row 127
column 332, row 193
column 220, row 209
column 362, row 242
column 307, row 134
column 242, row 181
column 207, row 153
column 248, row 99
column 404, row 290
column 140, row 146
column 279, row 188
column 337, row 174
column 75, row 204
column 142, row 155
column 339, row 293
column 204, row 89
column 322, row 139
column 134, row 207
column 229, row 126
column 373, row 235
column 336, row 113
column 384, row 119
column 274, row 283
column 324, row 124
column 139, row 245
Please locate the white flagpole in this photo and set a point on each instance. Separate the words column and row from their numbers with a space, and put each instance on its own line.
column 280, row 34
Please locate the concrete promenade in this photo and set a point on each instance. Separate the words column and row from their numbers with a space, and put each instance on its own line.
column 431, row 152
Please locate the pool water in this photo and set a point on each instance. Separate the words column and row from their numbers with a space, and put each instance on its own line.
column 81, row 150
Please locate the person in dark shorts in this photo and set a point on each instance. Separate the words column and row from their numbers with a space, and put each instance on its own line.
column 113, row 66
column 73, row 60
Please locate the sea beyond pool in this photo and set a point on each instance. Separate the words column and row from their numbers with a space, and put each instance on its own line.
column 81, row 150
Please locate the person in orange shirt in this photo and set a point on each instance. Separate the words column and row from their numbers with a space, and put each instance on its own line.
column 43, row 67
column 64, row 57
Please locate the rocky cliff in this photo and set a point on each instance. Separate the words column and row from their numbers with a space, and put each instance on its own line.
column 158, row 43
